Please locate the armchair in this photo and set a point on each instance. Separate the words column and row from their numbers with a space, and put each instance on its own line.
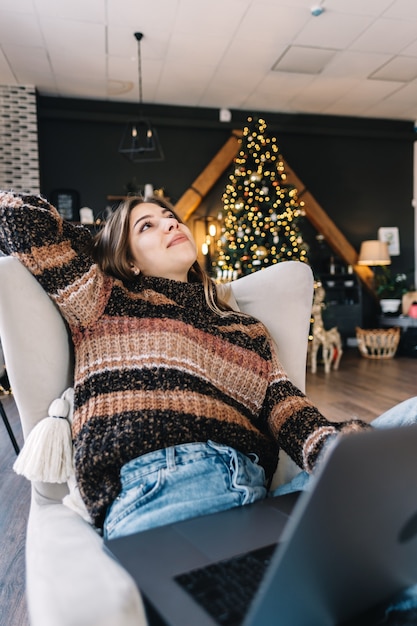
column 70, row 578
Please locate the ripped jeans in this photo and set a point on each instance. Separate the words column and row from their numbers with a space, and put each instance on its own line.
column 181, row 482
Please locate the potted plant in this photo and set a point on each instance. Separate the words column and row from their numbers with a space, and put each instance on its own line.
column 390, row 289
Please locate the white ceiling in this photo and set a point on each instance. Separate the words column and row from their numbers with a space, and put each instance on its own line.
column 358, row 58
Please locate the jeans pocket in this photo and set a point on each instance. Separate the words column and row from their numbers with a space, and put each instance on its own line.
column 134, row 495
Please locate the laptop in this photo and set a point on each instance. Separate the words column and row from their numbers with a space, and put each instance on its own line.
column 347, row 544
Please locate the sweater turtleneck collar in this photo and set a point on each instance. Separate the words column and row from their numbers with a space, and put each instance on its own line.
column 184, row 294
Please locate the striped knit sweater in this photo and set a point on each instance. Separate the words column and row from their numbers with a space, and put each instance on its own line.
column 154, row 366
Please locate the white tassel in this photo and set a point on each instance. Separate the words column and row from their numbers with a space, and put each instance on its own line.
column 47, row 453
column 74, row 501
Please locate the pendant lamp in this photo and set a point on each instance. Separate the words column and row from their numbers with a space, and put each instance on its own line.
column 140, row 141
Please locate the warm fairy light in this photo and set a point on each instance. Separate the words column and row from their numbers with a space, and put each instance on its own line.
column 212, row 230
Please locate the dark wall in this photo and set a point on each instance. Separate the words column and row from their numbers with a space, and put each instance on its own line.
column 359, row 170
column 361, row 176
column 79, row 140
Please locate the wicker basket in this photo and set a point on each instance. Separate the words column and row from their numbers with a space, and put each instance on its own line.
column 380, row 343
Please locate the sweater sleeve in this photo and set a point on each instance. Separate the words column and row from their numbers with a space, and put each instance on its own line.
column 55, row 252
column 299, row 427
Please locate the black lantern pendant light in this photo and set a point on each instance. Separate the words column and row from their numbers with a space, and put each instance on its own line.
column 140, row 141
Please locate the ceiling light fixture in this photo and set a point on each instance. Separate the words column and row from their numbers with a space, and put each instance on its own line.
column 140, row 141
column 316, row 10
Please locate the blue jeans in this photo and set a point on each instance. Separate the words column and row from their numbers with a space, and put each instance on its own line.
column 193, row 479
column 180, row 482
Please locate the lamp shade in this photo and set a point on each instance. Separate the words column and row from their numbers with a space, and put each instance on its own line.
column 374, row 252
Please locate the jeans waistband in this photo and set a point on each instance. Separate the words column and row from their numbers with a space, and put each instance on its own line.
column 170, row 457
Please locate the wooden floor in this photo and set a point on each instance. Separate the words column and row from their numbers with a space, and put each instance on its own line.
column 360, row 388
column 14, row 509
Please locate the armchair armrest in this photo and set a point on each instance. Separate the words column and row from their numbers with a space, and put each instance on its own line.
column 73, row 579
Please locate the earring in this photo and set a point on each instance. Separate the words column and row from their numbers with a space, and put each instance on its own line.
column 135, row 270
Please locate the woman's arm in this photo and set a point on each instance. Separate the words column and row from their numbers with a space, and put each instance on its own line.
column 299, row 427
column 32, row 229
column 54, row 251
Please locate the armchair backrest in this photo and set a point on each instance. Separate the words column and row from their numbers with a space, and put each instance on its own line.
column 281, row 297
column 35, row 341
column 38, row 353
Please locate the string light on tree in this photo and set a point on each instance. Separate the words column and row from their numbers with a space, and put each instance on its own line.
column 261, row 213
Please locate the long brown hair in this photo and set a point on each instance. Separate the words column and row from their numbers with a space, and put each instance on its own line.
column 112, row 253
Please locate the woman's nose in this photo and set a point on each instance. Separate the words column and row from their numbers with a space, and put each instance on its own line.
column 171, row 223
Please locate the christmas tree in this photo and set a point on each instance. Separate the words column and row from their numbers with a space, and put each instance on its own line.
column 261, row 213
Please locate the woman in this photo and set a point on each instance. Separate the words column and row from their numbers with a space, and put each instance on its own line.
column 181, row 405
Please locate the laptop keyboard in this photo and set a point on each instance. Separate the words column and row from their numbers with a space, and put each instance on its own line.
column 226, row 589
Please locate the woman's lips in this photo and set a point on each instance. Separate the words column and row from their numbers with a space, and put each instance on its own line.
column 177, row 239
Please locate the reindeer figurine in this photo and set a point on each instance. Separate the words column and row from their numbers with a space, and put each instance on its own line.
column 330, row 340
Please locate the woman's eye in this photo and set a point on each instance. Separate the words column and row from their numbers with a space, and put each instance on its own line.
column 145, row 226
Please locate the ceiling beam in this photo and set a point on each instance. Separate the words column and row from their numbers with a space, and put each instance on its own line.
column 194, row 195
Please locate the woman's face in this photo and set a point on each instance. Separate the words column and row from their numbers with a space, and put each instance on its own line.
column 160, row 245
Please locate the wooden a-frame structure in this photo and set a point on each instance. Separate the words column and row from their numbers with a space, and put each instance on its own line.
column 194, row 195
